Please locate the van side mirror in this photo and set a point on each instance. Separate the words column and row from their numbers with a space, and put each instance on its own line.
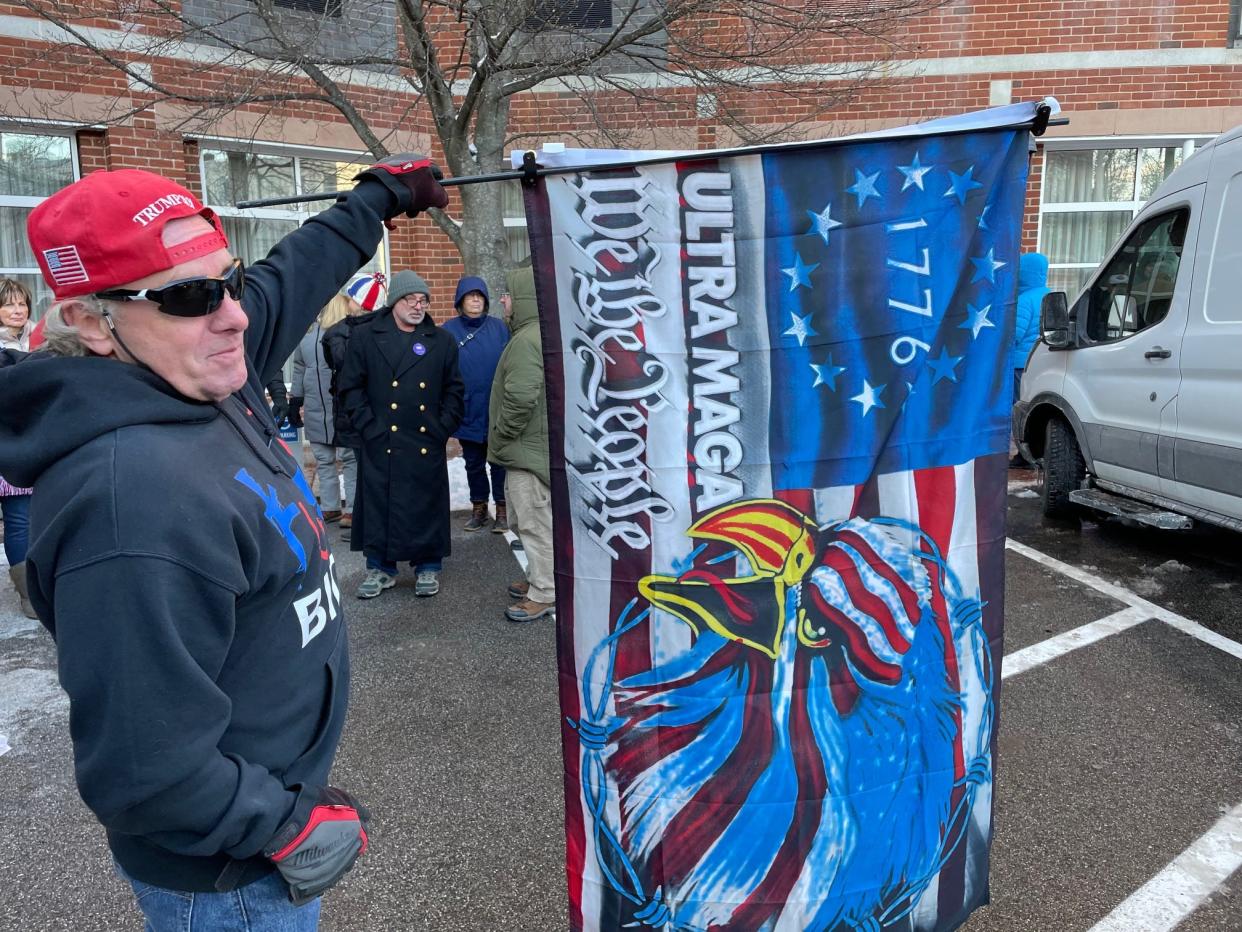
column 1054, row 322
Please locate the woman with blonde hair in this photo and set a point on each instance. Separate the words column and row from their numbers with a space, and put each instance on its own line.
column 311, row 408
column 15, row 323
column 15, row 327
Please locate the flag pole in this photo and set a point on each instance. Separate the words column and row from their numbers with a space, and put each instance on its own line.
column 531, row 169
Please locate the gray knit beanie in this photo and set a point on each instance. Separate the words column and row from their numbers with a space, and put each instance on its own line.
column 406, row 283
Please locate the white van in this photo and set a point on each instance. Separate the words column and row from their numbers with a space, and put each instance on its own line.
column 1132, row 398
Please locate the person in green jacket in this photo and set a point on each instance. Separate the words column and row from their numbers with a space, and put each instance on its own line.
column 517, row 439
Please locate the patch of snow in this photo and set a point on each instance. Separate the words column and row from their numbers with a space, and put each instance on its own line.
column 1146, row 587
column 5, row 747
column 1172, row 566
column 1222, row 585
column 25, row 693
column 1026, row 493
column 459, row 488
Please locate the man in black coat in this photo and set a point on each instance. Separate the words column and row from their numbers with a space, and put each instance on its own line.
column 403, row 393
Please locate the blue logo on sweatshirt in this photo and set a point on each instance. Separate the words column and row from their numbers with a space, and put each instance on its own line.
column 282, row 516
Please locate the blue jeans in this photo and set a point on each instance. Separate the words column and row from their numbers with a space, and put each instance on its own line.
column 262, row 906
column 475, row 455
column 375, row 563
column 16, row 512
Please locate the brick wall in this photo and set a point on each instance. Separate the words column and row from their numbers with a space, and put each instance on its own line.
column 1072, row 29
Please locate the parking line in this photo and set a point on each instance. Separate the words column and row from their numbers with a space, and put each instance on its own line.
column 1121, row 594
column 1022, row 660
column 1189, row 879
column 519, row 553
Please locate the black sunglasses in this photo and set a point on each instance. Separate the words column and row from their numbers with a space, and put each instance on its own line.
column 191, row 297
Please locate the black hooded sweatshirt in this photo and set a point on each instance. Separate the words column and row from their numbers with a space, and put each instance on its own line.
column 180, row 561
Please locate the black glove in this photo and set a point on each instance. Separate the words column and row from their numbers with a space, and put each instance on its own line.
column 280, row 398
column 319, row 842
column 412, row 179
column 295, row 411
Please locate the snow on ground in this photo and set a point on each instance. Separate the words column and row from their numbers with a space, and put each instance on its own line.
column 459, row 490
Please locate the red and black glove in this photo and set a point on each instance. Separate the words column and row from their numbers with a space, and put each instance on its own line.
column 412, row 179
column 319, row 842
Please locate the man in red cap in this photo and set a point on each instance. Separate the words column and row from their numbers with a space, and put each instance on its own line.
column 179, row 558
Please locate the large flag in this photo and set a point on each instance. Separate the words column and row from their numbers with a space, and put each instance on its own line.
column 779, row 405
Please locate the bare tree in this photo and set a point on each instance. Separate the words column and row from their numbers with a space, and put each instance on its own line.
column 617, row 70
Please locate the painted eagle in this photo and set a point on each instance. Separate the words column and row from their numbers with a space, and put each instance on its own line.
column 794, row 769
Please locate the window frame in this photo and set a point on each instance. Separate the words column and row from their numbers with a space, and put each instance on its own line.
column 536, row 23
column 332, row 9
column 298, row 213
column 1136, row 143
column 28, row 201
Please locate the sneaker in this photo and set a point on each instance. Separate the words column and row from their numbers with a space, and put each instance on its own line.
column 376, row 582
column 330, row 516
column 519, row 589
column 427, row 583
column 529, row 610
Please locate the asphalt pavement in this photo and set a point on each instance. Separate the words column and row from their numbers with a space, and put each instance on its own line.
column 1114, row 757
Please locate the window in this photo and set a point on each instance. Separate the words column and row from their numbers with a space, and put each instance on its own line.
column 318, row 7
column 571, row 14
column 32, row 167
column 1089, row 197
column 232, row 175
column 515, row 223
column 1136, row 288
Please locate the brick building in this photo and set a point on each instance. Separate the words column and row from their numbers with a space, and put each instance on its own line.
column 1143, row 83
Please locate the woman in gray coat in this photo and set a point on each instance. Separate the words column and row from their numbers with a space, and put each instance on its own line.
column 311, row 407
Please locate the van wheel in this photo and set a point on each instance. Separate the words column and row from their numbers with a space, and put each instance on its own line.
column 1064, row 470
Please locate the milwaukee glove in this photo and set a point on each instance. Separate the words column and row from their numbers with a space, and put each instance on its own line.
column 412, row 179
column 295, row 411
column 319, row 842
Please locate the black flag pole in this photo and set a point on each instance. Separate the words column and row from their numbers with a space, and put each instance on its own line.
column 531, row 169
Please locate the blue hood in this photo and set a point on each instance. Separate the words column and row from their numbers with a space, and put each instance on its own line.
column 467, row 284
column 1032, row 271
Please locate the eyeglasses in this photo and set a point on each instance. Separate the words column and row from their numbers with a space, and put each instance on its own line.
column 419, row 301
column 191, row 297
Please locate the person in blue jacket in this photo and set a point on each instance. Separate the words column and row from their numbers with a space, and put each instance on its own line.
column 480, row 340
column 178, row 557
column 1032, row 286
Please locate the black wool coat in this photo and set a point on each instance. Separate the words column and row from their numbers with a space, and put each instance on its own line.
column 405, row 400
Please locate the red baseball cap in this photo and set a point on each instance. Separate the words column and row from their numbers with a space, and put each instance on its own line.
column 105, row 231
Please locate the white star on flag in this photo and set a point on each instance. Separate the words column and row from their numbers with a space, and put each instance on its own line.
column 822, row 223
column 801, row 328
column 914, row 173
column 800, row 273
column 864, row 186
column 986, row 267
column 826, row 374
column 977, row 320
column 869, row 397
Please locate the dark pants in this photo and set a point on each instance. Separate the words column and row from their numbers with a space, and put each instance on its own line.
column 16, row 511
column 475, row 455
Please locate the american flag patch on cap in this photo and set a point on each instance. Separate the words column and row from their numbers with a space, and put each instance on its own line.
column 65, row 265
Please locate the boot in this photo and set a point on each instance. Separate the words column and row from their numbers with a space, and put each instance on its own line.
column 18, row 575
column 347, row 519
column 501, row 524
column 478, row 516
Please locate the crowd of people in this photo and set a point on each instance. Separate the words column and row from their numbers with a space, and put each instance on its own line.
column 379, row 388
